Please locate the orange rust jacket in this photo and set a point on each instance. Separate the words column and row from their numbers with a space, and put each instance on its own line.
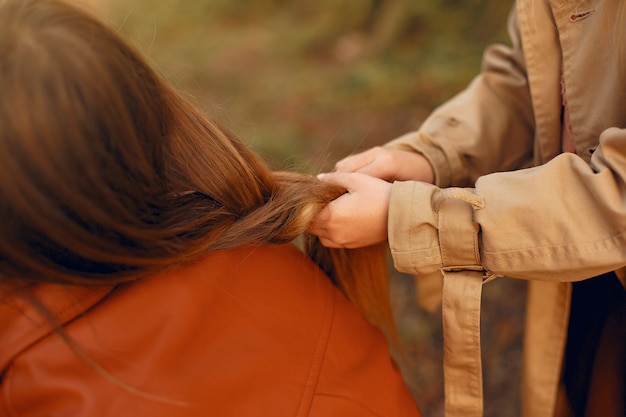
column 245, row 332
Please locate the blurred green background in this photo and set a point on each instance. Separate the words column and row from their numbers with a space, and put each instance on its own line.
column 307, row 82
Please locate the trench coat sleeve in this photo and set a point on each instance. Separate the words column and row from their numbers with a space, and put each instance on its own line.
column 562, row 221
column 493, row 113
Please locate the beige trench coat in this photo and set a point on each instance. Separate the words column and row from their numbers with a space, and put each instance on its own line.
column 507, row 202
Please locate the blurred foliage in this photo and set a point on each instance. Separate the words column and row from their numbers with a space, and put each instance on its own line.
column 307, row 82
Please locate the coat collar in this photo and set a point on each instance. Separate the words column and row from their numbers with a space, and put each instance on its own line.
column 543, row 64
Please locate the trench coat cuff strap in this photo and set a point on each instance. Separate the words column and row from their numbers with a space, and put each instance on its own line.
column 462, row 288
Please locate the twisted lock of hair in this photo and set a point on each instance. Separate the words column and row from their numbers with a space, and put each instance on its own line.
column 107, row 174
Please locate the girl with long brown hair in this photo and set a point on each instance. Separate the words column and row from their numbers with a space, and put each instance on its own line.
column 146, row 263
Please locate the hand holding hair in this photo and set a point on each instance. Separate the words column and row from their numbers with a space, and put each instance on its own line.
column 357, row 218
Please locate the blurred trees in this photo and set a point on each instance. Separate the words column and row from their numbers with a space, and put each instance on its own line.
column 306, row 82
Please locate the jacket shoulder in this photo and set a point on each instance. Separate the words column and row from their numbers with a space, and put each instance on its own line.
column 242, row 332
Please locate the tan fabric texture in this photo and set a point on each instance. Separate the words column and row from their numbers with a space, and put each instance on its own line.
column 462, row 287
column 543, row 216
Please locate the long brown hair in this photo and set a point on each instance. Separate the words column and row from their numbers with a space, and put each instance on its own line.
column 107, row 174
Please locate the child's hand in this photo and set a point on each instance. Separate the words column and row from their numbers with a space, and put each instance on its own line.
column 389, row 164
column 357, row 218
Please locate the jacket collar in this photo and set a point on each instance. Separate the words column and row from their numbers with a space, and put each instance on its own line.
column 23, row 323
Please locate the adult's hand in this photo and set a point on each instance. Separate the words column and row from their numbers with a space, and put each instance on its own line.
column 389, row 164
column 357, row 218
